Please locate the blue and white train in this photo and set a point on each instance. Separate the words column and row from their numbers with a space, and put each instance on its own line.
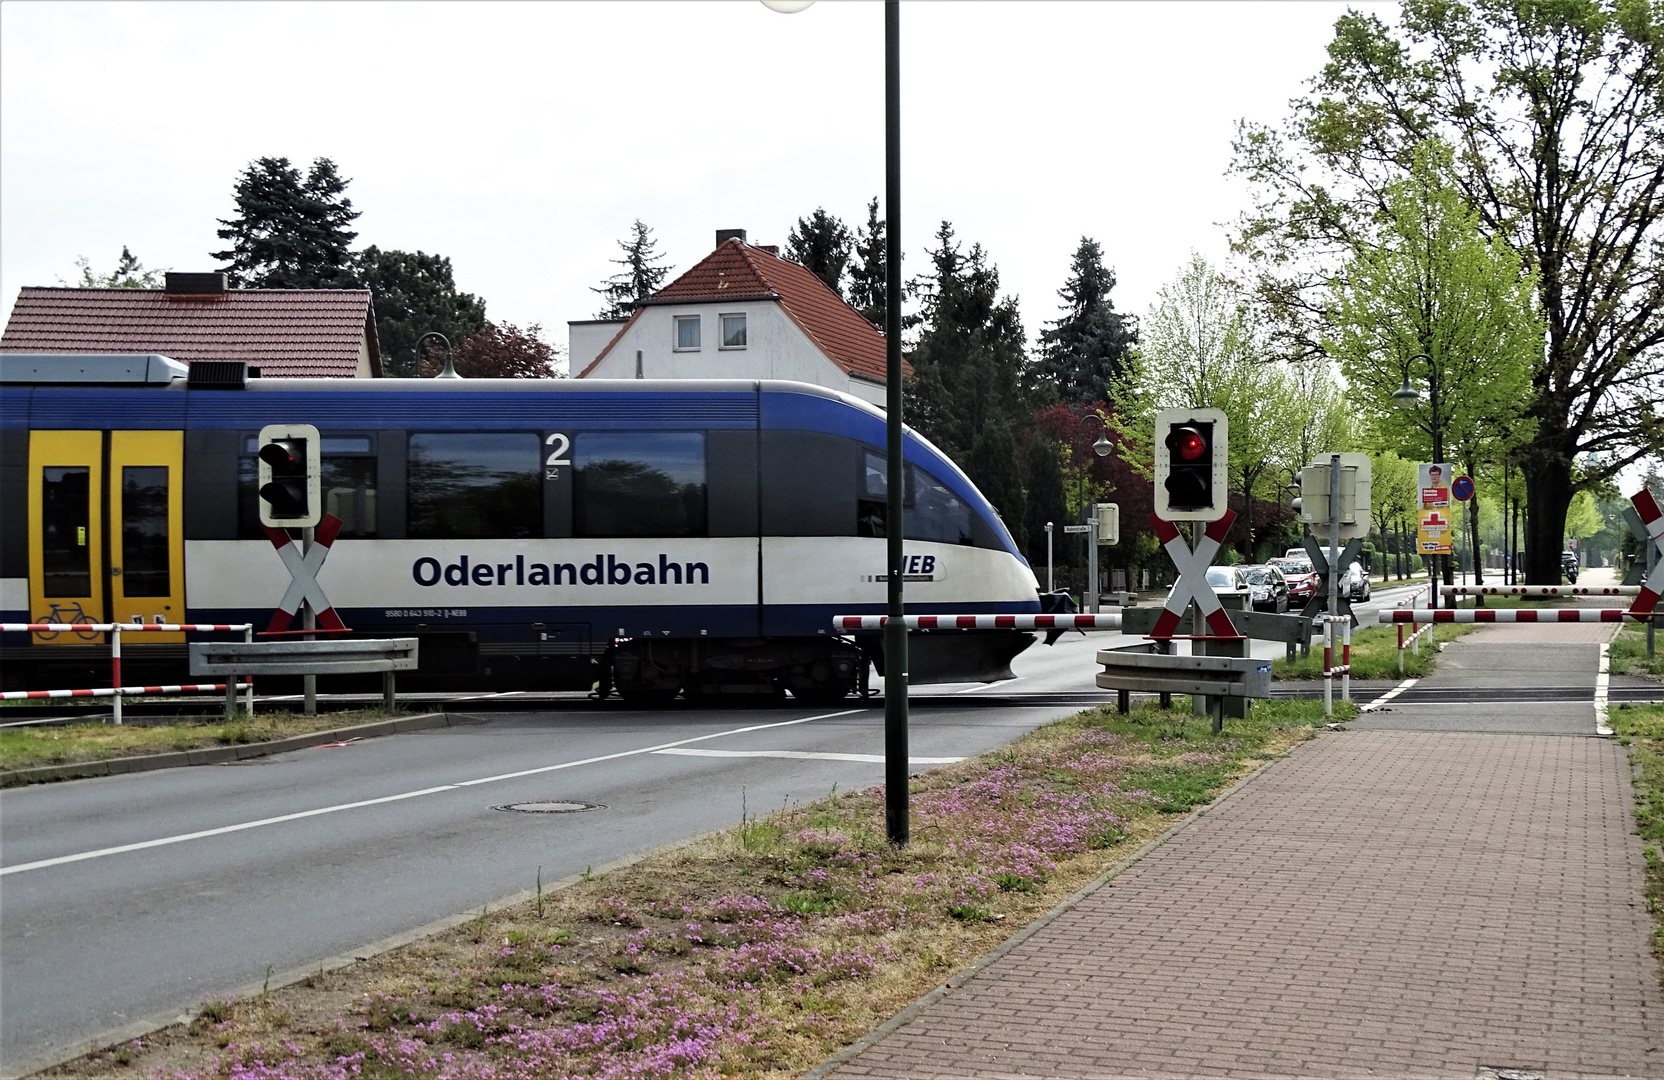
column 652, row 536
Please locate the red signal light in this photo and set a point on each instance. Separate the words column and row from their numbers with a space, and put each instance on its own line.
column 1191, row 446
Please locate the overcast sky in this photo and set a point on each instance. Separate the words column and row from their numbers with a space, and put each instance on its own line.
column 522, row 139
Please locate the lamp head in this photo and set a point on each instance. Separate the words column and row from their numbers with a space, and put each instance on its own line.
column 1406, row 396
column 787, row 7
column 1103, row 446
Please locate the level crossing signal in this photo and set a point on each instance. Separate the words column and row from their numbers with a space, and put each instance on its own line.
column 289, row 481
column 1191, row 464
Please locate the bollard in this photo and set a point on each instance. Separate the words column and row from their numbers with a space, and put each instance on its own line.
column 1346, row 661
column 248, row 636
column 115, row 666
column 1328, row 672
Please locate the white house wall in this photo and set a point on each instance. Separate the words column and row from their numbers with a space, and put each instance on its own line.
column 776, row 348
column 586, row 338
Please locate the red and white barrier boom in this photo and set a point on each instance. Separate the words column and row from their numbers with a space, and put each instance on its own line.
column 1545, row 591
column 982, row 622
column 115, row 630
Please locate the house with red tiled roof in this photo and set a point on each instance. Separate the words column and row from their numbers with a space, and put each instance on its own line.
column 742, row 312
column 307, row 333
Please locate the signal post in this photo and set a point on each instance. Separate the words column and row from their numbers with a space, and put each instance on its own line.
column 291, row 498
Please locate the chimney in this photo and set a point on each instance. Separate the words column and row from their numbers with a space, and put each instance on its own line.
column 725, row 235
column 194, row 284
column 772, row 249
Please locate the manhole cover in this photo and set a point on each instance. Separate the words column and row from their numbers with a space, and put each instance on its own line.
column 552, row 806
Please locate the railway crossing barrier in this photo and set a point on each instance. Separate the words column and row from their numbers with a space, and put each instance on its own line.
column 1105, row 621
column 115, row 691
column 1413, row 641
column 368, row 656
column 1213, row 678
column 1330, row 668
column 1543, row 591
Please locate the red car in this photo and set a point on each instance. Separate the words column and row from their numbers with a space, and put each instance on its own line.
column 1301, row 577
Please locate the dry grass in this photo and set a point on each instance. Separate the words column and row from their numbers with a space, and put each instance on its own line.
column 843, row 929
column 21, row 748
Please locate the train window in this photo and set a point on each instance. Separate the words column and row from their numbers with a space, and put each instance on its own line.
column 346, row 476
column 934, row 512
column 475, row 485
column 65, row 505
column 639, row 483
column 144, row 530
column 872, row 509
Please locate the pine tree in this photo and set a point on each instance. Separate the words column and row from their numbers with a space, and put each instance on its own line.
column 1086, row 351
column 821, row 243
column 128, row 274
column 641, row 277
column 969, row 394
column 1047, row 499
column 867, row 280
column 414, row 293
column 290, row 231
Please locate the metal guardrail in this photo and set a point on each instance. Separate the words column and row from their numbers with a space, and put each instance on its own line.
column 1212, row 677
column 352, row 657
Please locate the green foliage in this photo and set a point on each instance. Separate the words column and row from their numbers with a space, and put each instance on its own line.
column 291, row 231
column 129, row 273
column 1429, row 296
column 1583, row 517
column 1046, row 498
column 1557, row 114
column 867, row 281
column 643, row 272
column 1641, row 729
column 414, row 293
column 1375, row 654
column 1177, row 788
column 1088, row 350
column 821, row 243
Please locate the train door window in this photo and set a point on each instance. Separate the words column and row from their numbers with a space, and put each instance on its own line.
column 66, row 526
column 640, row 483
column 347, row 479
column 145, row 555
column 872, row 508
column 474, row 485
column 933, row 512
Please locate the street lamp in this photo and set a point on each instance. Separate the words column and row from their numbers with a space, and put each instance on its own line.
column 895, row 628
column 1406, row 397
column 450, row 368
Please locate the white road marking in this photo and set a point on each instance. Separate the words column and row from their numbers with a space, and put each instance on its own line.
column 203, row 834
column 805, row 755
column 1388, row 696
column 984, row 686
column 1603, row 679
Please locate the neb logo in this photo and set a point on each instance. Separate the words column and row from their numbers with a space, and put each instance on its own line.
column 919, row 564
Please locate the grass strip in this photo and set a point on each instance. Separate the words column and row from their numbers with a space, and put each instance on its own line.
column 1629, row 653
column 22, row 748
column 756, row 952
column 1375, row 654
column 1641, row 728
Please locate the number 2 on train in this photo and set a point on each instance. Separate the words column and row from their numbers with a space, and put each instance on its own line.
column 557, row 457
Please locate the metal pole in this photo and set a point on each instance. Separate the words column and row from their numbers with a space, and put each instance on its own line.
column 1092, row 561
column 1051, row 584
column 310, row 622
column 248, row 680
column 895, row 631
column 115, row 666
column 1334, row 533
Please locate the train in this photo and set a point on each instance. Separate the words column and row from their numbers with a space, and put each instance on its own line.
column 650, row 537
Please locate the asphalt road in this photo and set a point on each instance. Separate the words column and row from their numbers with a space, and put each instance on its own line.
column 125, row 898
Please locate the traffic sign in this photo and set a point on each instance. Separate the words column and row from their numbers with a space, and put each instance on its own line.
column 1191, row 463
column 1077, row 528
column 1462, row 488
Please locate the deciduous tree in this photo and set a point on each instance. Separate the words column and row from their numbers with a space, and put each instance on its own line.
column 415, row 293
column 129, row 273
column 499, row 351
column 1556, row 111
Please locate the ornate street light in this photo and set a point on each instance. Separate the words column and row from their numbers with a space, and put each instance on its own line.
column 450, row 368
column 1406, row 396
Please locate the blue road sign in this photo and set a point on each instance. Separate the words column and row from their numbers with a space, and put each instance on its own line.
column 1462, row 488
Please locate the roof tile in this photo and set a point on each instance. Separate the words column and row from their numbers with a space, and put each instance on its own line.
column 285, row 332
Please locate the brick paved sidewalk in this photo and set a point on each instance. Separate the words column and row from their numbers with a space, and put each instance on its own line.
column 1386, row 903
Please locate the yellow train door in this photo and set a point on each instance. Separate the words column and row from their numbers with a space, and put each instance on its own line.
column 66, row 562
column 106, row 512
column 146, row 528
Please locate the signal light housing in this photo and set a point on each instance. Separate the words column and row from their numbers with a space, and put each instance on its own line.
column 1191, row 448
column 289, row 476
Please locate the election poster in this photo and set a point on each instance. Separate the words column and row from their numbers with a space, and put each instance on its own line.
column 1433, row 532
column 1434, row 484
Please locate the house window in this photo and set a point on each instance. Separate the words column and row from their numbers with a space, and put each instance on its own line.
column 687, row 333
column 733, row 331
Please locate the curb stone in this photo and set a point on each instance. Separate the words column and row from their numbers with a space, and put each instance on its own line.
column 983, row 962
column 221, row 755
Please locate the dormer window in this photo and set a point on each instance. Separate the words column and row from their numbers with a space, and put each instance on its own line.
column 687, row 333
column 733, row 331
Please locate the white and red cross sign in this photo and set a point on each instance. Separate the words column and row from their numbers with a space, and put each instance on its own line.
column 303, row 574
column 1652, row 518
column 1193, row 578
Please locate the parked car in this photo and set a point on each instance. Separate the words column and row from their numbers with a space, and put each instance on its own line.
column 1356, row 582
column 1270, row 588
column 1297, row 553
column 1226, row 581
column 1301, row 578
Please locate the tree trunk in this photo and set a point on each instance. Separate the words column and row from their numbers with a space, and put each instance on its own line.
column 1548, row 492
